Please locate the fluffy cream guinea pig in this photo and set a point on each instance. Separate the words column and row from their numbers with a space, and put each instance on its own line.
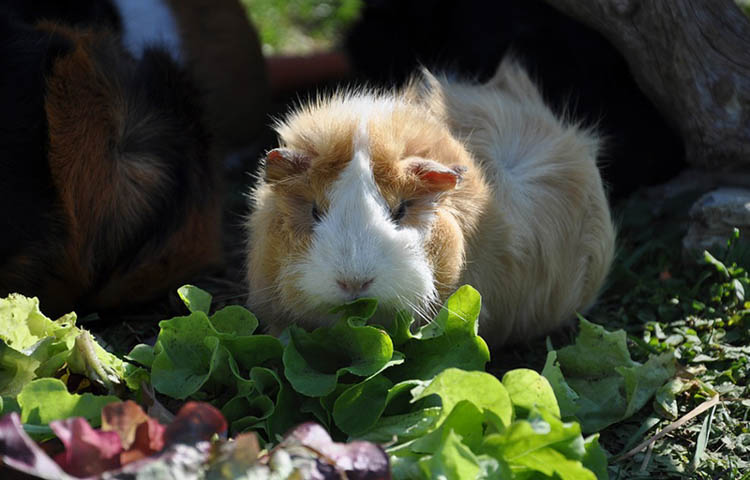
column 405, row 196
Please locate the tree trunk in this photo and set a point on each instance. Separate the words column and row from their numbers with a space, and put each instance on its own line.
column 692, row 58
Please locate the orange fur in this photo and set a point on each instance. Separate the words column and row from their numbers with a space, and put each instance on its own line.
column 81, row 119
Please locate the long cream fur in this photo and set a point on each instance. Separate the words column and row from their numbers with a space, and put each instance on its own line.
column 546, row 241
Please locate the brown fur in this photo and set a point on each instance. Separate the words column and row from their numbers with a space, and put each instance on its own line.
column 225, row 60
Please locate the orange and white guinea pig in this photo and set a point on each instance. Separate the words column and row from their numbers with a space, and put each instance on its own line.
column 405, row 196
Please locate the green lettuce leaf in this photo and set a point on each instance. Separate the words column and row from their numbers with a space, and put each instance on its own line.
column 483, row 390
column 46, row 399
column 609, row 386
column 313, row 362
column 35, row 346
column 449, row 341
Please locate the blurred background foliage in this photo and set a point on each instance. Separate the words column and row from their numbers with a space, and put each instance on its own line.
column 301, row 26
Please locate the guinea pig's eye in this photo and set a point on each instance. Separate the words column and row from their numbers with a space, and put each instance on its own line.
column 399, row 212
column 315, row 213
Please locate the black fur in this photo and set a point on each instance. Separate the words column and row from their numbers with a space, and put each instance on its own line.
column 578, row 70
column 78, row 13
column 30, row 214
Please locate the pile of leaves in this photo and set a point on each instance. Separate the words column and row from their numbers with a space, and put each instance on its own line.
column 421, row 393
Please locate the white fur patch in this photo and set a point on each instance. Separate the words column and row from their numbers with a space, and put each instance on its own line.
column 356, row 241
column 146, row 23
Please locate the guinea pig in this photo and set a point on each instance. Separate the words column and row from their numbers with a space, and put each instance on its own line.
column 406, row 195
column 110, row 194
column 116, row 117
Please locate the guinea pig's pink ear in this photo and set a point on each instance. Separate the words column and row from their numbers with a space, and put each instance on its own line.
column 436, row 177
column 284, row 162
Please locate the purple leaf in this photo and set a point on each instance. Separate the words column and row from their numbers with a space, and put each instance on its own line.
column 18, row 451
column 360, row 460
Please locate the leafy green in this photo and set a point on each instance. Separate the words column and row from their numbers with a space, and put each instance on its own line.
column 528, row 391
column 46, row 399
column 425, row 394
column 450, row 340
column 313, row 362
column 609, row 385
column 34, row 346
column 195, row 299
column 482, row 389
column 195, row 352
column 470, row 440
column 16, row 370
column 451, row 459
column 360, row 406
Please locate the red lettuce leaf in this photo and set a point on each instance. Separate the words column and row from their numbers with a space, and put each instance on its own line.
column 131, row 443
column 195, row 422
column 140, row 435
column 87, row 452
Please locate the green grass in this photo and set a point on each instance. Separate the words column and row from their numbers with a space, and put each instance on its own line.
column 300, row 26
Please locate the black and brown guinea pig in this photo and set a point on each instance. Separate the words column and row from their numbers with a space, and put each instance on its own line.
column 110, row 148
column 406, row 195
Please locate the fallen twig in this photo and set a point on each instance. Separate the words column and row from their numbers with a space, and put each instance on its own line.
column 671, row 427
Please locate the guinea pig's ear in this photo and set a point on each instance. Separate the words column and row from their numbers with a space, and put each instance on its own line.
column 284, row 162
column 436, row 177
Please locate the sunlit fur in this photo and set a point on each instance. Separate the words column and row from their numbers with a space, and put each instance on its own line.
column 528, row 225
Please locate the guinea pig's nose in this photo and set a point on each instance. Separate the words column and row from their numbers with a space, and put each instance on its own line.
column 354, row 288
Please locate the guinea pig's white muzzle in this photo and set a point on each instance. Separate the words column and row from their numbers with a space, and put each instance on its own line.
column 358, row 251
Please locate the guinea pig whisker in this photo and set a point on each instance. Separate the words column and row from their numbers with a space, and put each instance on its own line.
column 264, row 296
column 459, row 315
column 227, row 297
column 418, row 309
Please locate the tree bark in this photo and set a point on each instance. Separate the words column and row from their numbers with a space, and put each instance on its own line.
column 692, row 58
